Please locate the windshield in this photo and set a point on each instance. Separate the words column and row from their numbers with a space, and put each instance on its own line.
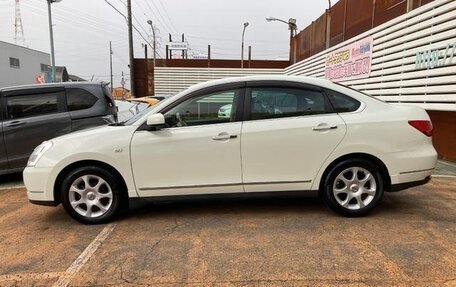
column 137, row 116
column 145, row 111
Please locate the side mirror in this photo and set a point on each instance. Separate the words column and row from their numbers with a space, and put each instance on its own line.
column 156, row 120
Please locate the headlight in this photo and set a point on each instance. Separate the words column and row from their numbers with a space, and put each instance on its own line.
column 38, row 153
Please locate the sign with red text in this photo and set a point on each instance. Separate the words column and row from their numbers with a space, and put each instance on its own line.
column 350, row 62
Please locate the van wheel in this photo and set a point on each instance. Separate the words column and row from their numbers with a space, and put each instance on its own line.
column 91, row 195
column 353, row 188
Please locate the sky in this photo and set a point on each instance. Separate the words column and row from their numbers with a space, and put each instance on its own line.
column 83, row 29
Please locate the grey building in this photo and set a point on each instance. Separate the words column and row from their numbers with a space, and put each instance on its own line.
column 20, row 65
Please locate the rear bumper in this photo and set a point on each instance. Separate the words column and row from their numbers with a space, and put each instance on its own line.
column 411, row 176
column 402, row 186
column 412, row 166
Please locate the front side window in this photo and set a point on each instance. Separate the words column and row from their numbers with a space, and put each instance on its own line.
column 213, row 108
column 79, row 99
column 267, row 103
column 31, row 105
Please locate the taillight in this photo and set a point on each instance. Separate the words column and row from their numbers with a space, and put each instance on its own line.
column 423, row 126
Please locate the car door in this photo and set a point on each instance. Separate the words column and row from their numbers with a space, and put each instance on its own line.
column 288, row 134
column 197, row 153
column 3, row 157
column 32, row 116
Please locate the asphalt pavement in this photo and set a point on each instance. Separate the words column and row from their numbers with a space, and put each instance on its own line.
column 409, row 240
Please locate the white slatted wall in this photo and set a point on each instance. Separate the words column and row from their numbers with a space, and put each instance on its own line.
column 395, row 77
column 174, row 80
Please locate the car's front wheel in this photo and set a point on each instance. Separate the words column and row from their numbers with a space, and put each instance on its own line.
column 353, row 187
column 91, row 195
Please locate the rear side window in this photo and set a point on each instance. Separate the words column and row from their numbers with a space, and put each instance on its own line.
column 32, row 105
column 79, row 99
column 342, row 103
column 266, row 103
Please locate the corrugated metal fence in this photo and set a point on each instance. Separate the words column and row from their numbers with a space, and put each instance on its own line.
column 173, row 80
column 413, row 60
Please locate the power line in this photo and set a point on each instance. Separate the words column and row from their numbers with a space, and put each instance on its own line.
column 68, row 20
column 134, row 27
column 82, row 19
column 160, row 19
column 227, row 40
column 167, row 15
column 134, row 18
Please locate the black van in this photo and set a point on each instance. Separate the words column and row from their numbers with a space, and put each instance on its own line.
column 32, row 114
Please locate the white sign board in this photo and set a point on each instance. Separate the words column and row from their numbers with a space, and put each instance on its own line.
column 177, row 45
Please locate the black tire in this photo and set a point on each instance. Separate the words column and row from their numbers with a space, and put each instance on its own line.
column 96, row 195
column 353, row 198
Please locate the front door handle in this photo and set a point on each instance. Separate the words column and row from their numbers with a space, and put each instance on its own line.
column 324, row 128
column 223, row 137
column 16, row 124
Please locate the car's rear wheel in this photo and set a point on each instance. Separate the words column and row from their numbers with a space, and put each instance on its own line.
column 91, row 195
column 353, row 187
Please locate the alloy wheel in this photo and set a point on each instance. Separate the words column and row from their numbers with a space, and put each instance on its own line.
column 354, row 188
column 90, row 196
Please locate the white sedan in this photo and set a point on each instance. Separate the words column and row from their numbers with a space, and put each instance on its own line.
column 286, row 135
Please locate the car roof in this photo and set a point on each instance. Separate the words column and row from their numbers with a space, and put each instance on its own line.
column 52, row 85
column 285, row 78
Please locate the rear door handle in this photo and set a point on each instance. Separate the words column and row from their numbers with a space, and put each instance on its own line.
column 324, row 128
column 223, row 137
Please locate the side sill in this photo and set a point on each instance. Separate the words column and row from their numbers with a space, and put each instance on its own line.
column 402, row 186
column 44, row 203
column 226, row 196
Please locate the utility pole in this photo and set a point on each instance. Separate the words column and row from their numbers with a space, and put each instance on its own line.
column 130, row 47
column 153, row 35
column 292, row 27
column 250, row 55
column 170, row 50
column 146, row 79
column 328, row 25
column 242, row 44
column 51, row 33
column 183, row 51
column 208, row 56
column 110, row 64
column 409, row 5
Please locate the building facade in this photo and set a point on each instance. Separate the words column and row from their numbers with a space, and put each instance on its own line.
column 20, row 65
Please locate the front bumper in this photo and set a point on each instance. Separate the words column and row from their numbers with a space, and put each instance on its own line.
column 37, row 181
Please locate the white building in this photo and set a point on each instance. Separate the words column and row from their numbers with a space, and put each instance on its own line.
column 20, row 65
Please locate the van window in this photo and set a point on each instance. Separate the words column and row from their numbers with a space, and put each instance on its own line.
column 79, row 99
column 31, row 105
